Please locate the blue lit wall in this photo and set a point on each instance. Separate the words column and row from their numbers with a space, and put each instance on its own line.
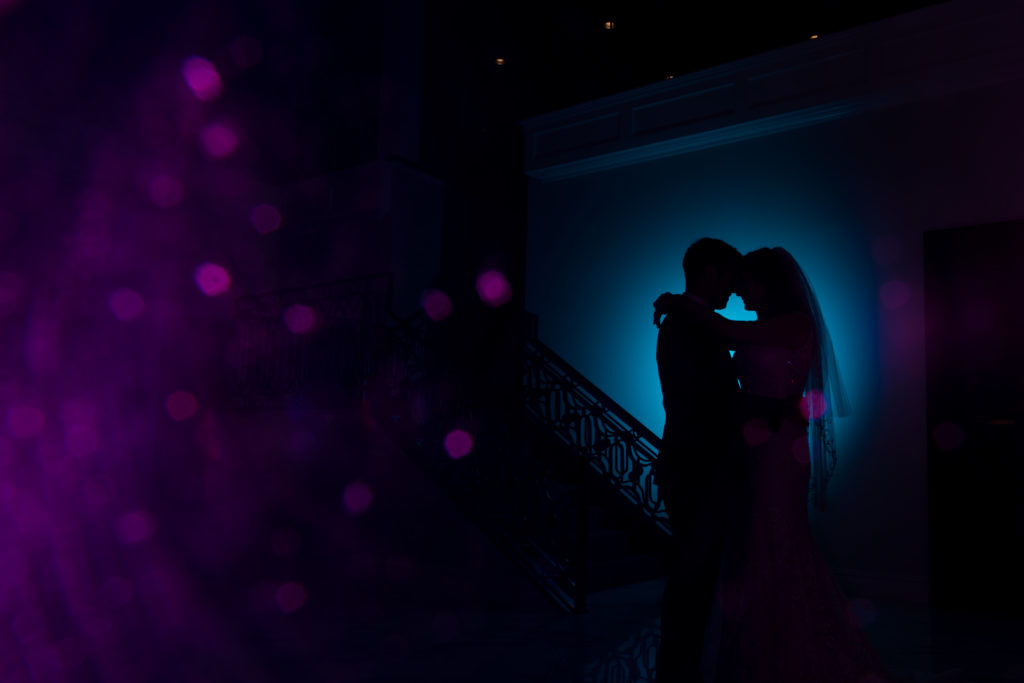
column 851, row 200
column 602, row 247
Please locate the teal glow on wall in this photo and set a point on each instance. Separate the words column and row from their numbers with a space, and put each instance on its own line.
column 602, row 247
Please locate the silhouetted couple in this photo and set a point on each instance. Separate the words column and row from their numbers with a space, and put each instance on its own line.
column 745, row 439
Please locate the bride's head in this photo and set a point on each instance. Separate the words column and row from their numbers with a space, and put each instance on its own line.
column 765, row 284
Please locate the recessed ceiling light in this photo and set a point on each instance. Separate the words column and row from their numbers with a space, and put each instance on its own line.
column 500, row 61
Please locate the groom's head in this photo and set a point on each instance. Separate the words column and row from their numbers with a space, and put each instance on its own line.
column 710, row 267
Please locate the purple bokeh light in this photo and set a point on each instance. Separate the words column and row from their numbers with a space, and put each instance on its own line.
column 181, row 405
column 126, row 304
column 202, row 78
column 212, row 279
column 894, row 294
column 802, row 450
column 265, row 218
column 299, row 319
column 290, row 596
column 437, row 305
column 756, row 432
column 25, row 422
column 493, row 288
column 357, row 497
column 166, row 191
column 813, row 405
column 135, row 527
column 458, row 443
column 218, row 140
column 10, row 292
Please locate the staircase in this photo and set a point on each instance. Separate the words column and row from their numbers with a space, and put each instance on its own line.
column 564, row 488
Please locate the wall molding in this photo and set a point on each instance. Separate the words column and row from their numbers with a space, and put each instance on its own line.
column 931, row 53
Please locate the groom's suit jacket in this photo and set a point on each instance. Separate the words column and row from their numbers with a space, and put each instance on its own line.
column 700, row 394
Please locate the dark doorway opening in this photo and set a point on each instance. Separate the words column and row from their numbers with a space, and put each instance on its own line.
column 974, row 291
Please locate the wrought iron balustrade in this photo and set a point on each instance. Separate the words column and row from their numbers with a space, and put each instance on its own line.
column 613, row 442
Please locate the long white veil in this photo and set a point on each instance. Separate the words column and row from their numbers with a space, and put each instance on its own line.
column 824, row 393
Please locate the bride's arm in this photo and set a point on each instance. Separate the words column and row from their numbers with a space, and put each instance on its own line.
column 790, row 330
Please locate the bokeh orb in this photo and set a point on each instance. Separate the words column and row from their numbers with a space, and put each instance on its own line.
column 802, row 450
column 25, row 422
column 437, row 305
column 212, row 279
column 894, row 294
column 135, row 527
column 265, row 218
column 202, row 78
column 299, row 319
column 290, row 596
column 126, row 304
column 357, row 497
column 458, row 443
column 813, row 405
column 181, row 405
column 756, row 432
column 218, row 140
column 81, row 440
column 165, row 191
column 493, row 288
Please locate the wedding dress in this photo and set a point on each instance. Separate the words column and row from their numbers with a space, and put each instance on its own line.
column 785, row 619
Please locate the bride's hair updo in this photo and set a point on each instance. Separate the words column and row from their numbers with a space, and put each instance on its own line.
column 768, row 268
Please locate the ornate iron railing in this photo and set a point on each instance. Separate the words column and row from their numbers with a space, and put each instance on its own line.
column 632, row 661
column 613, row 442
column 328, row 345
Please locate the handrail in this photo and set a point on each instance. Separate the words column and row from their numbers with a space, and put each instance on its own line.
column 604, row 399
column 611, row 440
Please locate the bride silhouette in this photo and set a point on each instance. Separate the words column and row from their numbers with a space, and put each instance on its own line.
column 785, row 618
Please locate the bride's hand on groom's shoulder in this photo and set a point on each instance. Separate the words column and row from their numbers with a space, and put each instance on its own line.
column 668, row 303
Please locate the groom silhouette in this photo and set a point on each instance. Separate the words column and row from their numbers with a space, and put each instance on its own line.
column 696, row 468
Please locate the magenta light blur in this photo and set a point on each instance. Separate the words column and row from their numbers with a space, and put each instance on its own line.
column 212, row 279
column 126, row 304
column 181, row 405
column 894, row 294
column 218, row 140
column 813, row 405
column 493, row 288
column 437, row 305
column 202, row 78
column 25, row 422
column 756, row 432
column 299, row 319
column 165, row 190
column 802, row 450
column 135, row 527
column 265, row 218
column 357, row 497
column 290, row 596
column 458, row 443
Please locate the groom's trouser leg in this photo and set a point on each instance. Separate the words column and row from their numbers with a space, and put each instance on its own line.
column 689, row 586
